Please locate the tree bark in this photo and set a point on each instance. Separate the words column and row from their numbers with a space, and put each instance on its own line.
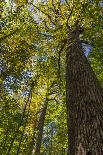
column 84, row 99
column 40, row 128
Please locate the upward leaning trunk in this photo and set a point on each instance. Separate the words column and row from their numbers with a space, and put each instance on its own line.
column 84, row 98
column 40, row 128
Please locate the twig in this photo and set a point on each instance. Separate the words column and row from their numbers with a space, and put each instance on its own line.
column 70, row 12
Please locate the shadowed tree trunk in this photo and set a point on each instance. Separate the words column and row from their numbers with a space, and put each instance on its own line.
column 84, row 98
column 40, row 128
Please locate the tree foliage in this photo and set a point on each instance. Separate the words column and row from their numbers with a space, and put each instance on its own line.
column 34, row 36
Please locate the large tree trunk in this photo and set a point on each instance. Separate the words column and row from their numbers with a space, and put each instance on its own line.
column 84, row 98
column 40, row 128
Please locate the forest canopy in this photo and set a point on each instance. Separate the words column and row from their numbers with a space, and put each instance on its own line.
column 37, row 72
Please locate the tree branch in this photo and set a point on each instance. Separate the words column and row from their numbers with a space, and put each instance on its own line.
column 8, row 35
column 70, row 13
column 44, row 13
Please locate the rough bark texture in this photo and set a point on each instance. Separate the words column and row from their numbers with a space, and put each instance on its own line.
column 84, row 103
column 40, row 128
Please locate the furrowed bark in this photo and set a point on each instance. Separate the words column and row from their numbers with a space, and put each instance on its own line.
column 84, row 99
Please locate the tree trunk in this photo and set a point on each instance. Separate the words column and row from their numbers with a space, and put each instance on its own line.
column 40, row 128
column 84, row 98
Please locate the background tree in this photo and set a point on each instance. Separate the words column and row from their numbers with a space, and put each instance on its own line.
column 36, row 38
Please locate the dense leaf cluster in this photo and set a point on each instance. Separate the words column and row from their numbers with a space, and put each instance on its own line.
column 32, row 66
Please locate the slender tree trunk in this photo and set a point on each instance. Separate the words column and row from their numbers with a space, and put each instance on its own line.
column 18, row 150
column 40, row 128
column 18, row 127
column 84, row 98
column 32, row 143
